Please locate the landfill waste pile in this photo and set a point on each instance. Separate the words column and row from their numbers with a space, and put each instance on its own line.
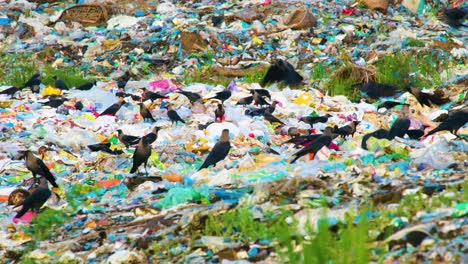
column 233, row 131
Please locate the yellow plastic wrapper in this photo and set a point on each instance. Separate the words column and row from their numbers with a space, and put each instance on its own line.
column 256, row 40
column 87, row 116
column 51, row 91
column 67, row 155
column 154, row 159
column 316, row 41
column 167, row 75
column 110, row 44
column 101, row 138
column 304, row 99
column 115, row 147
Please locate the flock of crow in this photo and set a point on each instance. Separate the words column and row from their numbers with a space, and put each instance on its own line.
column 281, row 71
column 265, row 107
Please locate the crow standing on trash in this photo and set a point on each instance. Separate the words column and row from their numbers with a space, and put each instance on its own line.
column 261, row 111
column 219, row 113
column 401, row 125
column 245, row 101
column 416, row 133
column 311, row 120
column 10, row 91
column 60, row 84
column 37, row 199
column 223, row 95
column 347, row 130
column 314, row 147
column 87, row 86
column 376, row 90
column 271, row 118
column 105, row 147
column 153, row 135
column 142, row 152
column 146, row 113
column 173, row 115
column 37, row 166
column 125, row 95
column 122, row 81
column 303, row 139
column 34, row 83
column 219, row 151
column 379, row 134
column 113, row 109
column 55, row 101
column 127, row 140
column 282, row 71
column 258, row 98
column 193, row 97
column 389, row 105
column 427, row 98
column 262, row 92
column 152, row 95
column 452, row 123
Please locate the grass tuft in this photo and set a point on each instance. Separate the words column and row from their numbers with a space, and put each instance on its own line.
column 44, row 223
column 17, row 68
column 319, row 71
column 346, row 79
column 422, row 70
column 239, row 223
column 70, row 75
column 412, row 42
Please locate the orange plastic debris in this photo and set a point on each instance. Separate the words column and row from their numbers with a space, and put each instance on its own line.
column 173, row 177
column 109, row 183
column 91, row 224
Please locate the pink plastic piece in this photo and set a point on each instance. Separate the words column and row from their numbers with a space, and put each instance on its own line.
column 27, row 217
column 333, row 146
column 162, row 85
column 348, row 12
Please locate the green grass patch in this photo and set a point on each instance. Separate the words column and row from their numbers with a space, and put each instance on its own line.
column 318, row 72
column 394, row 70
column 412, row 42
column 77, row 194
column 346, row 79
column 25, row 259
column 72, row 76
column 347, row 242
column 254, row 76
column 17, row 68
column 238, row 223
column 422, row 70
column 347, row 245
column 338, row 86
column 206, row 75
column 43, row 225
